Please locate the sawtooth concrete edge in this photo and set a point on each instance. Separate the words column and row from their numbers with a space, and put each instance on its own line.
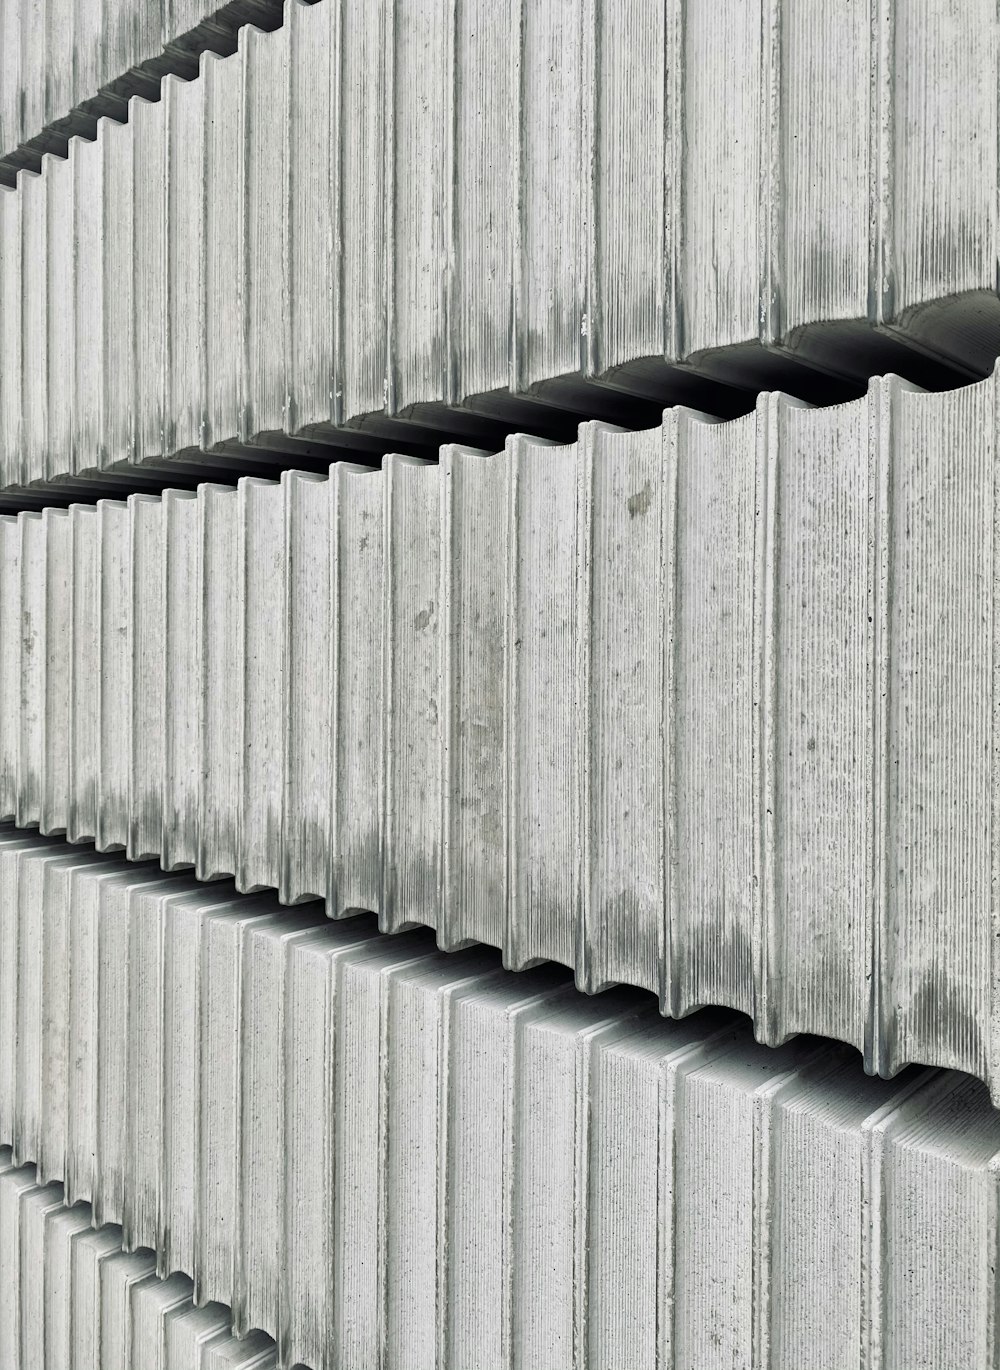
column 370, row 1148
column 64, row 66
column 71, row 1296
column 707, row 709
column 379, row 222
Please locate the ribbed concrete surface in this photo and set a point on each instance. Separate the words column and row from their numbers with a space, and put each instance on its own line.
column 391, row 210
column 71, row 1298
column 704, row 709
column 64, row 65
column 382, row 1154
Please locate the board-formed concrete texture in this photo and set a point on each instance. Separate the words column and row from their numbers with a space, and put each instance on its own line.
column 64, row 65
column 408, row 214
column 379, row 1153
column 72, row 1298
column 706, row 709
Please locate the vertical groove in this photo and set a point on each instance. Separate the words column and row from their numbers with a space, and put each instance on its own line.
column 674, row 197
column 771, row 163
column 241, row 973
column 590, row 954
column 673, row 429
column 243, row 677
column 202, row 630
column 442, row 1149
column 288, row 877
column 450, row 363
column 872, row 1243
column 290, row 406
column 390, row 380
column 878, row 1051
column 511, row 1122
column 590, row 75
column 449, row 936
column 246, row 51
column 882, row 274
column 384, row 1125
column 767, row 1002
column 387, row 833
column 512, row 588
column 993, row 582
column 337, row 129
column 202, row 403
column 334, row 854
column 671, row 1085
column 765, row 1102
column 240, row 675
column 174, row 194
column 518, row 342
column 445, row 204
column 582, row 1219
column 991, row 1338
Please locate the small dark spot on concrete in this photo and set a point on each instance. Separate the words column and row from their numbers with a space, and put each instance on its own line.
column 639, row 502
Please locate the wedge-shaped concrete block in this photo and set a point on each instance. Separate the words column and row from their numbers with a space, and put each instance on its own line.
column 56, row 669
column 265, row 129
column 305, row 801
column 473, row 635
column 84, row 763
column 412, row 753
column 35, row 197
column 219, row 722
column 10, row 661
column 313, row 285
column 626, row 528
column 541, row 704
column 260, row 680
column 224, row 247
column 67, row 210
column 118, row 281
column 31, row 646
column 148, row 699
column 182, row 659
column 115, row 684
column 150, row 279
column 86, row 337
column 357, row 634
column 11, row 332
column 185, row 106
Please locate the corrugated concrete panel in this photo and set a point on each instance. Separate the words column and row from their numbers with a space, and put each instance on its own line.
column 65, row 65
column 409, row 217
column 703, row 709
column 73, row 1297
column 375, row 1151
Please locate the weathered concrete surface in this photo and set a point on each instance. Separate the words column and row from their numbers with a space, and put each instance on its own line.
column 370, row 1149
column 705, row 709
column 406, row 218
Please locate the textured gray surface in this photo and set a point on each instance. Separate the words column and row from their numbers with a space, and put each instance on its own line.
column 386, row 211
column 63, row 65
column 72, row 1299
column 705, row 709
column 387, row 1155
